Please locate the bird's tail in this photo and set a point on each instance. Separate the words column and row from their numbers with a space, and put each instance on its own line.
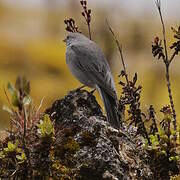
column 110, row 105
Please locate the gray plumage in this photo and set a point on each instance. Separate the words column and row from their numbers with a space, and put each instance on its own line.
column 89, row 65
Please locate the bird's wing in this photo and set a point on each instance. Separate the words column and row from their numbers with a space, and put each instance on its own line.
column 91, row 61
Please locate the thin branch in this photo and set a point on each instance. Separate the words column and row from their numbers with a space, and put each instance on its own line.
column 167, row 64
column 135, row 112
column 171, row 100
column 87, row 16
column 172, row 57
column 152, row 116
column 120, row 51
column 89, row 30
column 158, row 4
column 7, row 97
column 41, row 103
column 89, row 27
column 25, row 122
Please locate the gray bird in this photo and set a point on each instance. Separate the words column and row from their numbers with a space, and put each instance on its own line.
column 88, row 64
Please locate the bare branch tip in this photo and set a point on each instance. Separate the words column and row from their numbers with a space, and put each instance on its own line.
column 158, row 4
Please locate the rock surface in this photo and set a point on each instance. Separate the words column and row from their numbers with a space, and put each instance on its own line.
column 89, row 148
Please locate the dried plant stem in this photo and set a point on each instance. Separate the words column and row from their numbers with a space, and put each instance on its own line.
column 167, row 63
column 87, row 16
column 153, row 117
column 164, row 33
column 171, row 99
column 89, row 31
column 172, row 57
column 120, row 51
column 25, row 122
column 136, row 116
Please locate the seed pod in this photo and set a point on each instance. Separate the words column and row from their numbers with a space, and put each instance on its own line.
column 89, row 20
column 156, row 40
column 83, row 14
column 89, row 11
column 72, row 20
column 82, row 2
column 85, row 3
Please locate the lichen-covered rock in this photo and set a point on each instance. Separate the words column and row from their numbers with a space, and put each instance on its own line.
column 87, row 147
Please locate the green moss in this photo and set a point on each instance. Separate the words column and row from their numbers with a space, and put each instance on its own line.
column 61, row 169
column 87, row 138
column 71, row 146
column 13, row 151
column 11, row 157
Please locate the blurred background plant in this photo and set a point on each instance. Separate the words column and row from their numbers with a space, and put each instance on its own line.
column 22, row 112
column 31, row 35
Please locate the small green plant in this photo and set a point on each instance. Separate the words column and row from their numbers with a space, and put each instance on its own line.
column 23, row 114
column 12, row 159
column 11, row 147
column 14, row 152
column 162, row 146
column 45, row 127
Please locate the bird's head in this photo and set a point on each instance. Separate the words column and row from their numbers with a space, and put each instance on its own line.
column 74, row 38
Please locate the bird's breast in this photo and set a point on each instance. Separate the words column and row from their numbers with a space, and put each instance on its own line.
column 76, row 69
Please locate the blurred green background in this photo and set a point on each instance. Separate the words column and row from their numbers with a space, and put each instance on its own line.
column 31, row 34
